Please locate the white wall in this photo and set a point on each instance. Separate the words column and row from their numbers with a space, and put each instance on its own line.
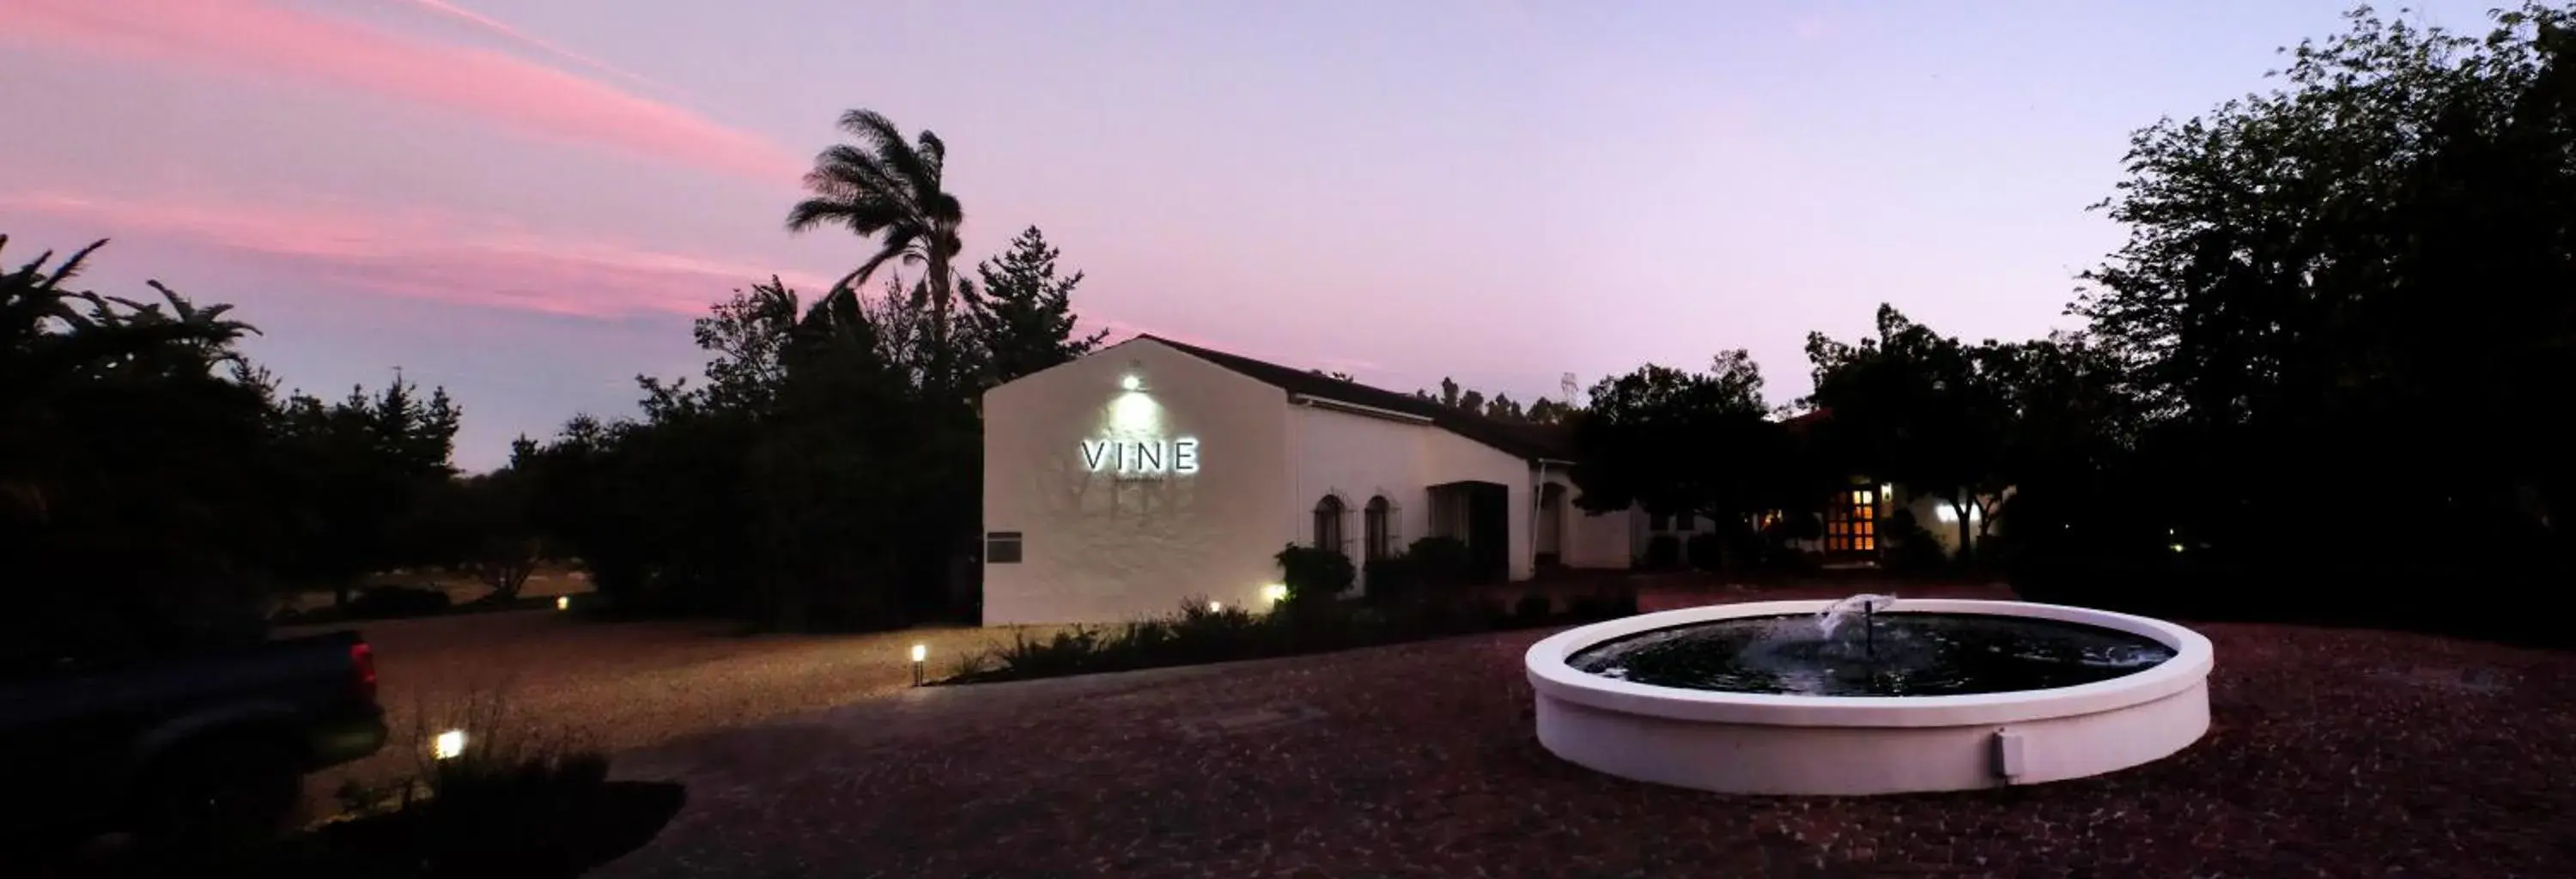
column 1355, row 457
column 1359, row 456
column 1448, row 457
column 1593, row 540
column 1101, row 549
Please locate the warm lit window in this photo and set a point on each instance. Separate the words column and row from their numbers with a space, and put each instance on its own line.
column 1328, row 523
column 1851, row 522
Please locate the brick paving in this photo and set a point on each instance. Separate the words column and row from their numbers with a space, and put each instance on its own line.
column 2332, row 753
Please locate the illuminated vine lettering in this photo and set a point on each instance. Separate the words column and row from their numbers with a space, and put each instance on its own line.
column 1142, row 458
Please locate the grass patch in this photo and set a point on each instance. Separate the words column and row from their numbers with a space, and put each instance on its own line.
column 1196, row 634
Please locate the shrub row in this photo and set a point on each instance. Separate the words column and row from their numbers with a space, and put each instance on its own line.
column 1197, row 634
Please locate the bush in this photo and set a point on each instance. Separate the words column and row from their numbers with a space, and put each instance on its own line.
column 1196, row 635
column 1705, row 550
column 378, row 602
column 1074, row 650
column 1314, row 574
column 1608, row 604
column 1440, row 564
column 1533, row 608
column 517, row 801
column 1663, row 552
column 1390, row 579
column 1917, row 550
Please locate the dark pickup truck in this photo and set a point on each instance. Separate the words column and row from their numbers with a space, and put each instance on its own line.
column 198, row 745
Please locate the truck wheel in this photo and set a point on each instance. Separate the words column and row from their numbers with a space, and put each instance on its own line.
column 220, row 794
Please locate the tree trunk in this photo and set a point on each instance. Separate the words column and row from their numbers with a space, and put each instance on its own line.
column 940, row 292
column 1967, row 545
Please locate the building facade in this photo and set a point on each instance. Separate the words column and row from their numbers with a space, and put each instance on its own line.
column 1152, row 472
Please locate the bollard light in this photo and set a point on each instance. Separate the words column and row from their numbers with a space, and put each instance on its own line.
column 448, row 745
column 563, row 602
column 1216, row 607
column 920, row 654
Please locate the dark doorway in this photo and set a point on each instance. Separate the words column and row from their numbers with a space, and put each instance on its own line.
column 1479, row 515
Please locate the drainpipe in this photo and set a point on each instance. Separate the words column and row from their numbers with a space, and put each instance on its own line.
column 1538, row 497
column 1538, row 501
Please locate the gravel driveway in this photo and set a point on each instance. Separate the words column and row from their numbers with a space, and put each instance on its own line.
column 2333, row 753
column 622, row 685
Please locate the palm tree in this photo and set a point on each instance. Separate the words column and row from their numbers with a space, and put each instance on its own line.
column 887, row 188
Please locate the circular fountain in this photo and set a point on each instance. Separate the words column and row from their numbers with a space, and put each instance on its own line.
column 1870, row 695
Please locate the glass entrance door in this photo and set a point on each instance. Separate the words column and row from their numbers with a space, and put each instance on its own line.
column 1851, row 522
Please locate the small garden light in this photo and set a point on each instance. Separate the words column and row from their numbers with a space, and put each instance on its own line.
column 448, row 745
column 1216, row 607
column 920, row 654
column 563, row 602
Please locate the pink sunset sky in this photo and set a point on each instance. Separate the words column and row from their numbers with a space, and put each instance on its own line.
column 527, row 200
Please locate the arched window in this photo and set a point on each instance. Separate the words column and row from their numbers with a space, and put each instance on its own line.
column 1377, row 531
column 1328, row 523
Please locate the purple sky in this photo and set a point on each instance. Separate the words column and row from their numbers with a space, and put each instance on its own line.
column 527, row 200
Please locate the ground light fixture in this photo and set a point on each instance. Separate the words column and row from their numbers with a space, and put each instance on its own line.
column 448, row 745
column 563, row 602
column 920, row 654
column 1216, row 607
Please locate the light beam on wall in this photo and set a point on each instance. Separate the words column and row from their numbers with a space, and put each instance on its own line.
column 1135, row 414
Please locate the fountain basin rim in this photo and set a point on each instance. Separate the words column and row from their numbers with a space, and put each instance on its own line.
column 1552, row 677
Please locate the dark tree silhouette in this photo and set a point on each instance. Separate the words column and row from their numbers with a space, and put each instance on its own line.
column 890, row 189
column 1021, row 314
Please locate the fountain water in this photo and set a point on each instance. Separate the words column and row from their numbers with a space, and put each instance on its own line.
column 1869, row 604
column 1834, row 614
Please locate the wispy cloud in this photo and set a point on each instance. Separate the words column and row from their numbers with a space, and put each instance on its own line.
column 504, row 29
column 430, row 255
column 256, row 37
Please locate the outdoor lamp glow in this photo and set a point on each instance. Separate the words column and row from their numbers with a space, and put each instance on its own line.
column 1216, row 607
column 1275, row 593
column 921, row 653
column 563, row 602
column 448, row 745
column 1130, row 382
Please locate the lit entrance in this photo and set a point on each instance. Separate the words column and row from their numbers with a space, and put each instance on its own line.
column 1851, row 524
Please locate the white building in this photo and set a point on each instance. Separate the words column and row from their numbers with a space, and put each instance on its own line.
column 1151, row 472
